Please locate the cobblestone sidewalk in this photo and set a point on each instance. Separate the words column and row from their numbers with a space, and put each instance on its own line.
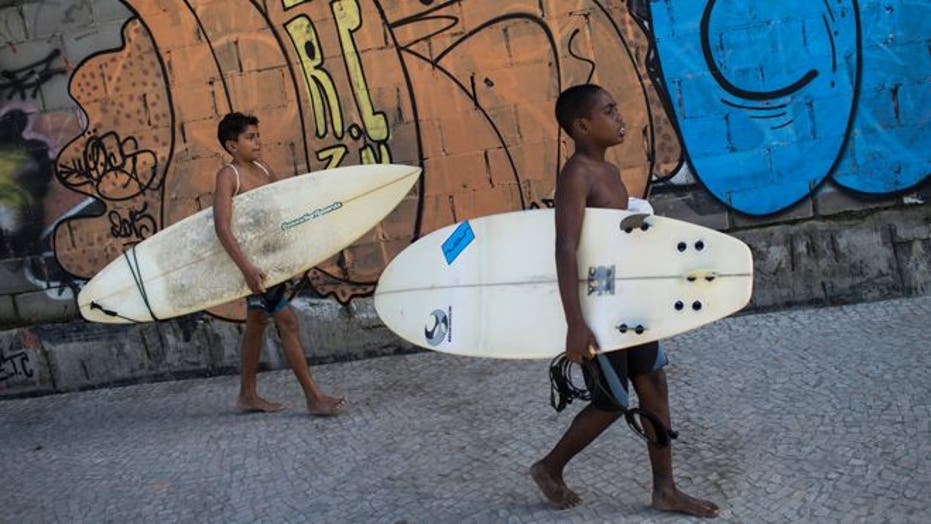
column 804, row 416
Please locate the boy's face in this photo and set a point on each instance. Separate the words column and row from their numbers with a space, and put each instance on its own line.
column 604, row 125
column 247, row 146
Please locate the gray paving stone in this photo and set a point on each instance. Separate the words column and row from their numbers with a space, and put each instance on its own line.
column 812, row 415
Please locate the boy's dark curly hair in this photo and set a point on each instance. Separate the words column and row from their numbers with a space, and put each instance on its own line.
column 575, row 102
column 232, row 125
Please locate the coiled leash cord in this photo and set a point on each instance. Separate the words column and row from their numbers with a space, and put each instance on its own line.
column 563, row 391
column 136, row 273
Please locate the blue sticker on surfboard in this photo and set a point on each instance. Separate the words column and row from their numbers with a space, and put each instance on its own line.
column 457, row 242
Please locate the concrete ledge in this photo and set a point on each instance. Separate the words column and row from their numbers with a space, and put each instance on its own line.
column 349, row 332
column 844, row 259
column 697, row 207
column 37, row 307
column 11, row 277
column 914, row 259
column 23, row 364
column 80, row 355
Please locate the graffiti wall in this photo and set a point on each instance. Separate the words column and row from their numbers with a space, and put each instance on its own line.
column 773, row 99
column 109, row 110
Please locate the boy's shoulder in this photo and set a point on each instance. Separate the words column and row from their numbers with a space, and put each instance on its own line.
column 575, row 178
column 574, row 167
column 226, row 168
column 579, row 170
column 226, row 172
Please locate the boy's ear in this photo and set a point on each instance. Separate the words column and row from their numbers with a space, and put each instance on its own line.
column 227, row 145
column 580, row 125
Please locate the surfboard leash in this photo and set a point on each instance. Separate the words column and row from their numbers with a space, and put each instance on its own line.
column 140, row 286
column 295, row 289
column 563, row 391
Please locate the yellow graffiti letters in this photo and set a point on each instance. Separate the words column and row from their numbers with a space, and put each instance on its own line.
column 333, row 156
column 307, row 46
column 349, row 20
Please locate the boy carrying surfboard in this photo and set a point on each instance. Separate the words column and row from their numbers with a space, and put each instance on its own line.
column 590, row 116
column 239, row 136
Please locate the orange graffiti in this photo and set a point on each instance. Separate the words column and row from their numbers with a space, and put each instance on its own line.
column 121, row 157
column 464, row 89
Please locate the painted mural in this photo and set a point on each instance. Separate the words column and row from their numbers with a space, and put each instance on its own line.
column 773, row 98
column 761, row 103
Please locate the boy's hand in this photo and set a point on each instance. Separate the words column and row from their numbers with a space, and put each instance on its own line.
column 580, row 343
column 255, row 279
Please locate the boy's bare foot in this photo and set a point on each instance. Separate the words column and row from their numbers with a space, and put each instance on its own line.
column 257, row 404
column 325, row 406
column 675, row 500
column 553, row 487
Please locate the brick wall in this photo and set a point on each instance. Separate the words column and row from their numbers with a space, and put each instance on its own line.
column 741, row 115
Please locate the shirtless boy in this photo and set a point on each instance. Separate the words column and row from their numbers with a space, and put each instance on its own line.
column 590, row 116
column 239, row 136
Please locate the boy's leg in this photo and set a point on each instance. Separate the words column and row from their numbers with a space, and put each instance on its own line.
column 548, row 472
column 653, row 394
column 587, row 425
column 288, row 330
column 249, row 399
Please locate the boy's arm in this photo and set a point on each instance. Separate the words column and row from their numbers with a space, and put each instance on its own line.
column 222, row 214
column 571, row 195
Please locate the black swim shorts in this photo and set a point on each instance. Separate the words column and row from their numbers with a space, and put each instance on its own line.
column 610, row 391
column 272, row 301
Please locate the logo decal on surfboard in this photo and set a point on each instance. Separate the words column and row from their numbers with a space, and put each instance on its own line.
column 601, row 280
column 457, row 242
column 439, row 327
column 307, row 217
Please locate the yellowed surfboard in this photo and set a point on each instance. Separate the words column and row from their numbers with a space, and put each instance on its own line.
column 285, row 228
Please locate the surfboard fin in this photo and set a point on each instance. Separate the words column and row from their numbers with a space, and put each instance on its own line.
column 637, row 221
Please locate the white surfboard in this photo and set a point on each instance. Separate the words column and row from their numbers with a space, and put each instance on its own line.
column 488, row 288
column 285, row 228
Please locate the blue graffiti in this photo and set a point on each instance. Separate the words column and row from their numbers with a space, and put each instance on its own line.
column 769, row 102
column 888, row 148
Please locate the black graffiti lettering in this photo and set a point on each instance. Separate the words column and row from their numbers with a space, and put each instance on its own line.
column 139, row 225
column 15, row 365
column 726, row 84
column 18, row 81
column 544, row 203
column 115, row 169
